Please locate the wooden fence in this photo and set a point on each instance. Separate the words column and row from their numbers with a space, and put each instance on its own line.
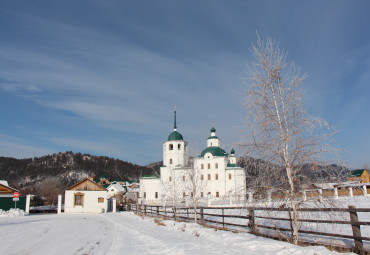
column 247, row 222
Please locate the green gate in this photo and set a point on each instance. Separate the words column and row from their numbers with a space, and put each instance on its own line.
column 7, row 203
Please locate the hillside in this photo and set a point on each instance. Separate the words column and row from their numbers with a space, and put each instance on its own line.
column 68, row 167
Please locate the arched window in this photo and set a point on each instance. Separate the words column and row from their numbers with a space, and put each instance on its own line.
column 171, row 147
column 170, row 178
column 229, row 176
column 202, row 166
column 179, row 146
column 209, row 165
column 170, row 161
column 216, row 165
column 216, row 176
column 217, row 194
column 183, row 177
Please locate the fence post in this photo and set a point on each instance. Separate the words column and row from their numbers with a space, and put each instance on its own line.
column 174, row 213
column 350, row 191
column 336, row 192
column 223, row 218
column 201, row 216
column 320, row 194
column 269, row 195
column 157, row 211
column 28, row 203
column 251, row 223
column 356, row 229
column 365, row 190
column 304, row 196
column 250, row 197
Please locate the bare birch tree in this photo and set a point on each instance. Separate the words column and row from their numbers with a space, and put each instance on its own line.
column 280, row 131
column 195, row 186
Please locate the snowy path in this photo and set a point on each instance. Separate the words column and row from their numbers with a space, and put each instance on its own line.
column 126, row 233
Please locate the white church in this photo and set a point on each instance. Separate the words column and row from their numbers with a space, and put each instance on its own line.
column 214, row 175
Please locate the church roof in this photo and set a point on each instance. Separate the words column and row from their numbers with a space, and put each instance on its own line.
column 175, row 136
column 215, row 151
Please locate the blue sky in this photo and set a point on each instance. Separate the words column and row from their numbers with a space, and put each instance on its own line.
column 102, row 77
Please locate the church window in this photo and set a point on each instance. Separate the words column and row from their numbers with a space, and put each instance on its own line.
column 171, row 147
column 201, row 194
column 170, row 178
column 229, row 176
column 216, row 165
column 144, row 194
column 191, row 194
column 183, row 194
column 202, row 177
column 179, row 146
column 209, row 177
column 202, row 166
column 156, row 194
column 216, row 176
column 79, row 199
column 183, row 177
column 217, row 194
column 209, row 165
column 170, row 161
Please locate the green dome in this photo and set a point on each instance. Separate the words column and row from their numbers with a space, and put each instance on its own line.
column 213, row 129
column 215, row 151
column 232, row 151
column 175, row 136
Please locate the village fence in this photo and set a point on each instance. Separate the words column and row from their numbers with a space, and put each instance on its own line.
column 253, row 221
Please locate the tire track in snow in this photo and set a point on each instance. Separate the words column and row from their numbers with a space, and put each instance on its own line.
column 131, row 241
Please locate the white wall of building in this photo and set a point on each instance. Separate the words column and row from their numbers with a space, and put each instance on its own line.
column 149, row 188
column 90, row 205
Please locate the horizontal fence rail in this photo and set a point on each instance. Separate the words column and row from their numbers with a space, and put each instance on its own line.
column 248, row 221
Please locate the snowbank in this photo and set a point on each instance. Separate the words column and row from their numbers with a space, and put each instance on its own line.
column 12, row 213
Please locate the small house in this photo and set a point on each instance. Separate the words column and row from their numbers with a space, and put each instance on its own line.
column 115, row 188
column 361, row 175
column 86, row 197
column 6, row 197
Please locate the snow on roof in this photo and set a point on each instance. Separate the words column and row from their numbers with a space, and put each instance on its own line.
column 325, row 185
column 5, row 183
column 117, row 186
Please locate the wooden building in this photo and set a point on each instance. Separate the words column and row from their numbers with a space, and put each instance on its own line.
column 361, row 175
column 86, row 197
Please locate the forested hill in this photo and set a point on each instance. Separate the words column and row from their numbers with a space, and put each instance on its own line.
column 69, row 167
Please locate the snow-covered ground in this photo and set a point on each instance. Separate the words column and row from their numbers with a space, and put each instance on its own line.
column 126, row 233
